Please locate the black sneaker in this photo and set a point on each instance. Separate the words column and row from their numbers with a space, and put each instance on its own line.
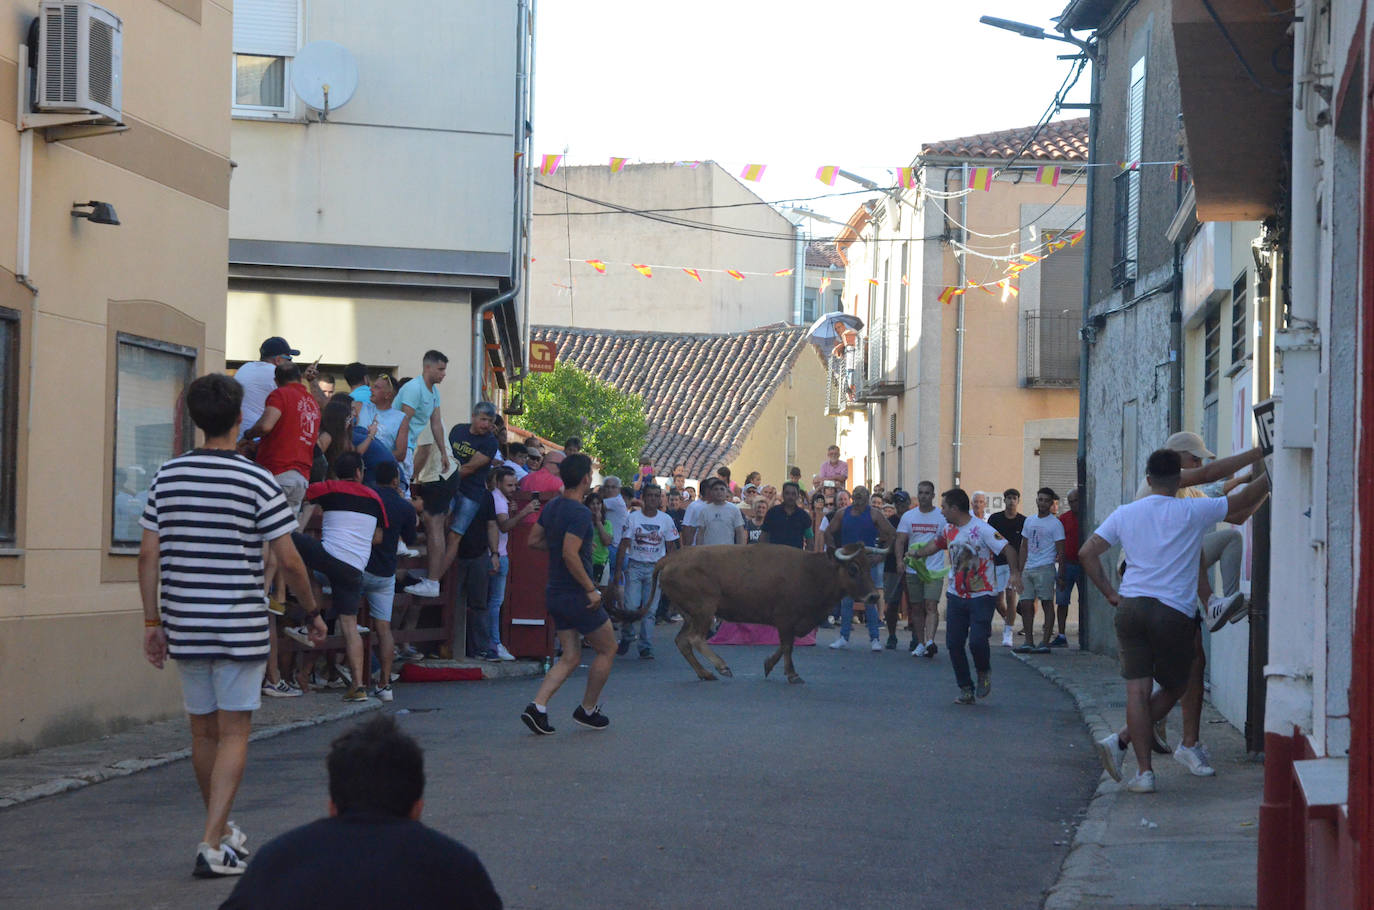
column 217, row 862
column 892, row 642
column 984, row 683
column 932, row 649
column 644, row 655
column 538, row 721
column 596, row 720
column 965, row 697
column 623, row 648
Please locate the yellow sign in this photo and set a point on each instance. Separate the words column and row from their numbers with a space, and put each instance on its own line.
column 543, row 355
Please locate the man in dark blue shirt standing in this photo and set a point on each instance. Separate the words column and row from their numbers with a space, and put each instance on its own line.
column 787, row 524
column 379, row 576
column 574, row 602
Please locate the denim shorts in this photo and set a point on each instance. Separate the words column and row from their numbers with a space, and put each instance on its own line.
column 380, row 592
column 208, row 686
column 464, row 511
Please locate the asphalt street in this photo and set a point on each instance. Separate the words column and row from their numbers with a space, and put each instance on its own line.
column 865, row 787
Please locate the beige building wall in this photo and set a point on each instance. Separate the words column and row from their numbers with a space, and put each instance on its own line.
column 70, row 636
column 573, row 294
column 798, row 403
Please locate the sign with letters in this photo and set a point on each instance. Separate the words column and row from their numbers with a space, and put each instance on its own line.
column 543, row 355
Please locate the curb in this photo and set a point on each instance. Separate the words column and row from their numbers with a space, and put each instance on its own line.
column 1068, row 891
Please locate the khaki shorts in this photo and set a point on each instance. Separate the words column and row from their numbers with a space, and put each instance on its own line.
column 1156, row 642
column 1038, row 584
column 917, row 590
column 293, row 484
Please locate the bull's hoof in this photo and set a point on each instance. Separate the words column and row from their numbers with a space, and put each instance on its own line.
column 725, row 671
column 795, row 680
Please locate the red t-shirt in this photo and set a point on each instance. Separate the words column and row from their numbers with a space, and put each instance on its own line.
column 291, row 444
column 1069, row 519
column 542, row 482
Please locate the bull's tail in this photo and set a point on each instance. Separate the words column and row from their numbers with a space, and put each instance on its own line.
column 653, row 587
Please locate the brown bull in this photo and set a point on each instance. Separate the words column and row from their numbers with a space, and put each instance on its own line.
column 768, row 584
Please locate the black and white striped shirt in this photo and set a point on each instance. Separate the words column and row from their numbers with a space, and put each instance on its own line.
column 212, row 511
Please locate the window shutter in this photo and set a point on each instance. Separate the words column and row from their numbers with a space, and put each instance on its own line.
column 1059, row 465
column 1135, row 133
column 266, row 27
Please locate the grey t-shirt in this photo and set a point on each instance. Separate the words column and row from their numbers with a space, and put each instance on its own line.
column 715, row 522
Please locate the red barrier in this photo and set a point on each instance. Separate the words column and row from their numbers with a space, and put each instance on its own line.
column 526, row 629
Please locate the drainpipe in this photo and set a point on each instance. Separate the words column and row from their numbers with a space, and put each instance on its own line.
column 959, row 335
column 522, row 18
column 1085, row 332
column 1176, row 319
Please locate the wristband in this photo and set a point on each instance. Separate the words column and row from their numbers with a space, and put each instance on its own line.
column 151, row 623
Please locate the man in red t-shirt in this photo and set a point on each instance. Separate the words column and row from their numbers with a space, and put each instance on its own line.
column 288, row 428
column 1070, row 572
column 545, row 483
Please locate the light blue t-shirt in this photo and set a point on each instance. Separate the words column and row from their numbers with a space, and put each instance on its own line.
column 388, row 424
column 423, row 401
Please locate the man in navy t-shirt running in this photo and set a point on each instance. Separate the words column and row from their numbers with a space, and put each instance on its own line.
column 574, row 602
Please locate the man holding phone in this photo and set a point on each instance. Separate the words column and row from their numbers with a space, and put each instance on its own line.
column 544, row 484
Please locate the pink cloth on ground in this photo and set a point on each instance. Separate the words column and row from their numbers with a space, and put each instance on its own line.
column 748, row 633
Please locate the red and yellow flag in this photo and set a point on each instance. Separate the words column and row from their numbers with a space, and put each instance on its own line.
column 906, row 282
column 1073, row 240
column 643, row 270
column 1049, row 176
column 1008, row 289
column 735, row 274
column 1128, row 165
column 1178, row 172
column 906, row 177
column 753, row 172
column 550, row 165
column 783, row 273
column 980, row 178
column 617, row 165
column 598, row 265
column 827, row 174
column 825, row 283
column 873, row 281
column 949, row 293
column 693, row 273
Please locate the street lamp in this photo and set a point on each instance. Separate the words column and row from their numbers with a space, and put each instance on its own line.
column 1031, row 31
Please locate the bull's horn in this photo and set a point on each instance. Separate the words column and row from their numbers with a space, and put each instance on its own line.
column 842, row 556
column 877, row 551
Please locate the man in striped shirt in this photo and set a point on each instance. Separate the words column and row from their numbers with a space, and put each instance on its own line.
column 208, row 515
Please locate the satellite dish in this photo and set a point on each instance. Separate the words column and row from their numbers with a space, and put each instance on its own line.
column 324, row 76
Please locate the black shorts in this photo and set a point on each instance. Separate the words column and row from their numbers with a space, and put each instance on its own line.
column 345, row 582
column 438, row 496
column 569, row 611
column 1156, row 641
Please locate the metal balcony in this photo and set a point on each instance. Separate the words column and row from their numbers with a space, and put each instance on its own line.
column 1052, row 350
column 841, row 385
column 884, row 361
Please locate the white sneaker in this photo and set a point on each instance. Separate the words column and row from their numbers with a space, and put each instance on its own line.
column 1194, row 759
column 1008, row 637
column 1220, row 610
column 281, row 689
column 502, row 653
column 235, row 840
column 875, row 645
column 426, row 588
column 839, row 644
column 299, row 634
column 1113, row 755
column 382, row 692
column 1144, row 782
column 919, row 650
column 217, row 862
column 403, row 550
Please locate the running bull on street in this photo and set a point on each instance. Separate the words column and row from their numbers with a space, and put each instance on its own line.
column 767, row 584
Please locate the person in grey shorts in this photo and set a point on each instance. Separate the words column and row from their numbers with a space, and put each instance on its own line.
column 1042, row 549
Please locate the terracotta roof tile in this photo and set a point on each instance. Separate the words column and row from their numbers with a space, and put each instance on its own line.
column 1060, row 140
column 822, row 254
column 702, row 393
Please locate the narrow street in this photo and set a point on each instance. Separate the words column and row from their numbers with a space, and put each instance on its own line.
column 866, row 787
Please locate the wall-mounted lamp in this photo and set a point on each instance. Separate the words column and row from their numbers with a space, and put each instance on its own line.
column 100, row 212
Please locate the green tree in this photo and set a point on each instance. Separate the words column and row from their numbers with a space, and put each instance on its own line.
column 572, row 402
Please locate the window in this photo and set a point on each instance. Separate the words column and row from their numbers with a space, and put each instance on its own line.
column 266, row 37
column 1211, row 376
column 151, row 423
column 1240, row 322
column 810, row 309
column 9, row 421
column 1135, row 135
column 1052, row 346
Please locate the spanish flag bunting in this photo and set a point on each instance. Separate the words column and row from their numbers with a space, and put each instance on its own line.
column 827, row 174
column 1128, row 165
column 735, row 274
column 906, row 177
column 949, row 293
column 1177, row 172
column 1030, row 257
column 984, row 287
column 873, row 281
column 1073, row 240
column 906, row 282
column 1047, row 175
column 753, row 172
column 1008, row 289
column 617, row 165
column 783, row 273
column 825, row 283
column 980, row 178
column 693, row 273
column 643, row 270
column 550, row 165
column 598, row 265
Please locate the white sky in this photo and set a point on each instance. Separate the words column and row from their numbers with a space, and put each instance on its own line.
column 860, row 84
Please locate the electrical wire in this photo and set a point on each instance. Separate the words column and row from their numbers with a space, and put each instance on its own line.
column 1011, row 233
column 728, row 205
column 1070, row 80
column 1235, row 49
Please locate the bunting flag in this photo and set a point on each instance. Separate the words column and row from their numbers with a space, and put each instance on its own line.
column 825, row 283
column 753, row 172
column 1008, row 289
column 735, row 274
column 1128, row 165
column 783, row 273
column 550, row 165
column 1047, row 175
column 906, row 177
column 694, row 273
column 1029, row 257
column 980, row 178
column 643, row 270
column 949, row 293
column 906, row 282
column 873, row 281
column 618, row 165
column 598, row 265
column 1178, row 172
column 1073, row 239
column 827, row 174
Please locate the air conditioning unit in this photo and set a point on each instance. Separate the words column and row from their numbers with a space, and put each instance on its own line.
column 79, row 60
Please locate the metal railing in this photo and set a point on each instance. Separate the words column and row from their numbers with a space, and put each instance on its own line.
column 842, row 383
column 1052, row 350
column 884, row 361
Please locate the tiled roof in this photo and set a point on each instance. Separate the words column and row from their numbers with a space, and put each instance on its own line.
column 1061, row 140
column 822, row 254
column 702, row 393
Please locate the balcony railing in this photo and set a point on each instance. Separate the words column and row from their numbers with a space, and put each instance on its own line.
column 1052, row 350
column 884, row 361
column 842, row 383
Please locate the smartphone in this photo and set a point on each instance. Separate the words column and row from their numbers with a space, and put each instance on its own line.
column 534, row 497
column 829, row 483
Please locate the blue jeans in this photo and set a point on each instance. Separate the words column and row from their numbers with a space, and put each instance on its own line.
column 496, row 594
column 464, row 511
column 875, row 572
column 968, row 620
column 639, row 583
column 1073, row 575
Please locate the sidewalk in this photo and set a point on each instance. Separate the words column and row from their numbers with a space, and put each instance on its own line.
column 47, row 772
column 1191, row 844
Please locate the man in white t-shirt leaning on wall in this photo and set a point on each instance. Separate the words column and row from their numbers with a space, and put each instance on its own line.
column 1162, row 538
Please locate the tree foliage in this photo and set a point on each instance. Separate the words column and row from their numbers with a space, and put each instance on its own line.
column 572, row 402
